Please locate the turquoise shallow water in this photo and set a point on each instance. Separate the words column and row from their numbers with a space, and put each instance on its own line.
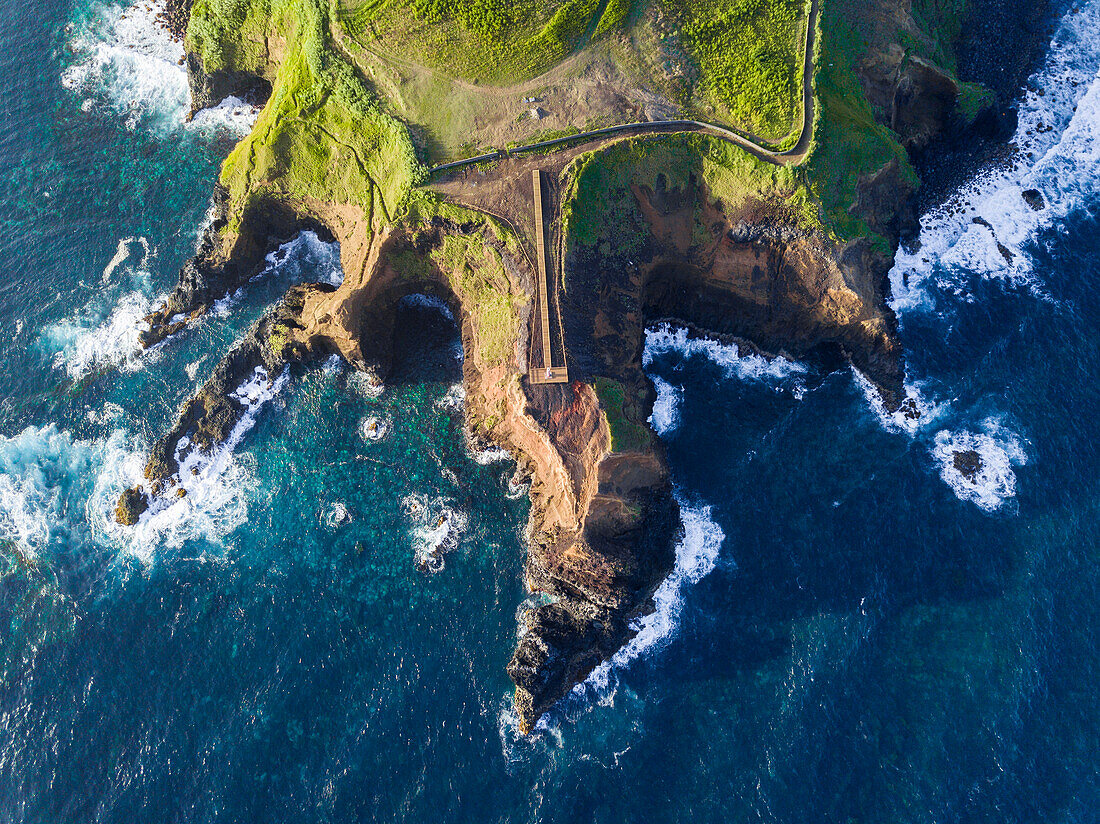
column 852, row 633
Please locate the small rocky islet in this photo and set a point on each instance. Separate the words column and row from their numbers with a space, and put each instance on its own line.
column 706, row 213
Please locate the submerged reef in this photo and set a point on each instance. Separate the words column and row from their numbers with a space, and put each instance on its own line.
column 766, row 209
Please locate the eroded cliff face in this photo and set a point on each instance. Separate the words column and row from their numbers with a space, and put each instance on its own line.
column 603, row 519
column 946, row 85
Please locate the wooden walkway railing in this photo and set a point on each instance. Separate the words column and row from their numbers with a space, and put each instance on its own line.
column 547, row 372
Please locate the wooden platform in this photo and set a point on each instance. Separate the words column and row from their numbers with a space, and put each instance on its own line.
column 547, row 372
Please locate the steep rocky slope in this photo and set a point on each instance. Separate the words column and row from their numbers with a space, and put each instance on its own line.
column 666, row 227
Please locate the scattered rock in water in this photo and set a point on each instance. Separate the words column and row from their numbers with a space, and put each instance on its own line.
column 1034, row 199
column 1006, row 253
column 910, row 409
column 181, row 493
column 131, row 506
column 374, row 428
column 968, row 463
column 981, row 221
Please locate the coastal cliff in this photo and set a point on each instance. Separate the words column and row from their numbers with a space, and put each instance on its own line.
column 680, row 227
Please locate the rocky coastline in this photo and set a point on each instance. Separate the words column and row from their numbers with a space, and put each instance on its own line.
column 603, row 520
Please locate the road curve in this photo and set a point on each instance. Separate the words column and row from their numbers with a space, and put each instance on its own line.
column 790, row 157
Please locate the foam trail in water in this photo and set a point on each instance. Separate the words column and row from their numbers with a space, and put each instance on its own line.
column 696, row 556
column 664, row 337
column 993, row 482
column 666, row 409
column 126, row 59
column 985, row 228
column 122, row 254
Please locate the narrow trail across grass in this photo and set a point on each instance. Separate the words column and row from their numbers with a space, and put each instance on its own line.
column 794, row 156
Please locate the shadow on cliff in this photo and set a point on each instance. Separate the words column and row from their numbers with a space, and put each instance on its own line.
column 427, row 346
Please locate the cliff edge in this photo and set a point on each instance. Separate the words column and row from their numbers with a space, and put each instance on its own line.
column 789, row 256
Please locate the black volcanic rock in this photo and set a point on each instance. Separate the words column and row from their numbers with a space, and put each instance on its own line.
column 968, row 463
column 1034, row 199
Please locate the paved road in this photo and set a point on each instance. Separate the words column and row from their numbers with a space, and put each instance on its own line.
column 790, row 157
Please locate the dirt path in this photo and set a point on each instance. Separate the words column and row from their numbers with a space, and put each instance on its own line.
column 794, row 156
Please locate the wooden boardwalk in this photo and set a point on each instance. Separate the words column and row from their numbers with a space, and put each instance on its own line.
column 547, row 372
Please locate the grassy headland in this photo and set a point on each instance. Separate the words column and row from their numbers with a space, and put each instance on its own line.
column 322, row 135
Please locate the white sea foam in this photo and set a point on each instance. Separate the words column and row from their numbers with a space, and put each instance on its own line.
column 214, row 482
column 778, row 371
column 666, row 409
column 489, row 455
column 366, row 385
column 232, row 115
column 305, row 258
column 916, row 412
column 437, row 529
column 998, row 449
column 422, row 301
column 453, row 399
column 517, row 484
column 374, row 428
column 57, row 492
column 332, row 365
column 126, row 60
column 1059, row 156
column 696, row 556
column 123, row 253
column 106, row 332
column 45, row 479
column 334, row 515
column 100, row 335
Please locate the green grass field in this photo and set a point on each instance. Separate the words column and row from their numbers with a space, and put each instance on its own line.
column 749, row 58
column 322, row 135
column 746, row 55
column 599, row 207
column 325, row 135
column 484, row 41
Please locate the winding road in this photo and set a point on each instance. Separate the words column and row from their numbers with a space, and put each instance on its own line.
column 789, row 157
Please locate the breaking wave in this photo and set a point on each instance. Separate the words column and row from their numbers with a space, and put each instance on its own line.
column 92, row 341
column 58, row 493
column 124, row 59
column 666, row 409
column 747, row 366
column 985, row 228
column 305, row 258
column 106, row 332
column 213, row 483
column 696, row 556
column 989, row 481
column 436, row 528
column 916, row 412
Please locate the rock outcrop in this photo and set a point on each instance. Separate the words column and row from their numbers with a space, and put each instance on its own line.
column 225, row 261
column 603, row 518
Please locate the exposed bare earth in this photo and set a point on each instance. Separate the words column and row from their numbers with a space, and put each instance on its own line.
column 603, row 521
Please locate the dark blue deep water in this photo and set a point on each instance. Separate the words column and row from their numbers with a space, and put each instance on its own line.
column 854, row 633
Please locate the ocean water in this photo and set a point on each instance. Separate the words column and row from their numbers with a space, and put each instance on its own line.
column 853, row 631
